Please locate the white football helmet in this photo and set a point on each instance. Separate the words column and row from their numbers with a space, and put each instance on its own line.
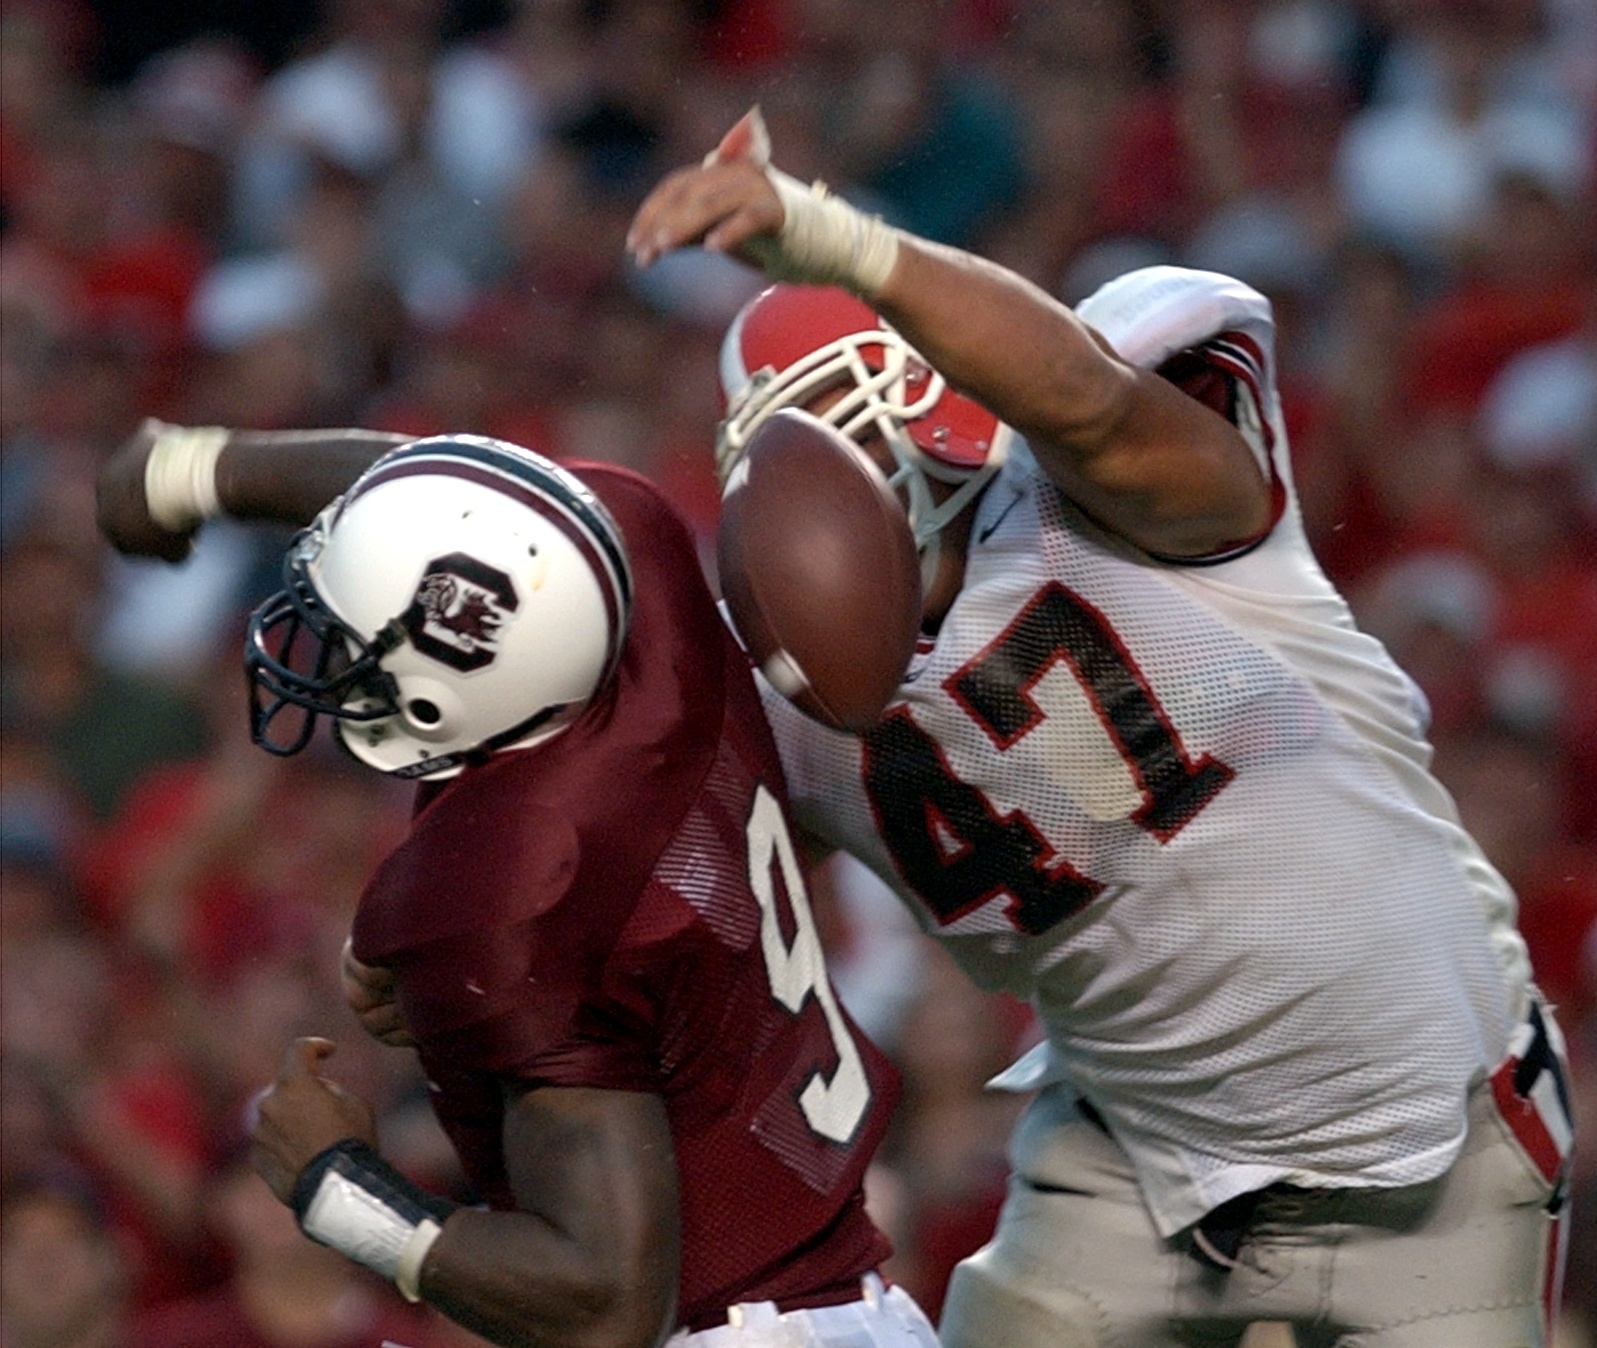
column 792, row 342
column 464, row 596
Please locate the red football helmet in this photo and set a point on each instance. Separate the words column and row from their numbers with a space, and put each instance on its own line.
column 791, row 342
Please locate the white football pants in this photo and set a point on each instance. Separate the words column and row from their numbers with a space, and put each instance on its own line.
column 1470, row 1260
column 882, row 1318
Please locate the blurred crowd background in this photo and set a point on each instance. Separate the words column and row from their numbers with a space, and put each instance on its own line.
column 409, row 214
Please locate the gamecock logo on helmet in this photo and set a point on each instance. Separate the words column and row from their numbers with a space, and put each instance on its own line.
column 458, row 611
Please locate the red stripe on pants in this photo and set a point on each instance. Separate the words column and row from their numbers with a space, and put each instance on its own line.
column 1524, row 1120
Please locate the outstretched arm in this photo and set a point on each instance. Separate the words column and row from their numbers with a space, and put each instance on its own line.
column 165, row 481
column 589, row 1256
column 1155, row 465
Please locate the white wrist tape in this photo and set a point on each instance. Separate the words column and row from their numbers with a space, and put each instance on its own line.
column 407, row 1273
column 180, row 476
column 353, row 1201
column 357, row 1223
column 826, row 241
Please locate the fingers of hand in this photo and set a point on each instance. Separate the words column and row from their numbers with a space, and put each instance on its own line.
column 120, row 507
column 384, row 1022
column 304, row 1057
column 263, row 1115
column 361, row 999
column 369, row 991
column 365, row 985
column 704, row 204
column 737, row 229
column 351, row 967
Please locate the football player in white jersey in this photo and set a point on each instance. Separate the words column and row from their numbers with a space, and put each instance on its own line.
column 1146, row 772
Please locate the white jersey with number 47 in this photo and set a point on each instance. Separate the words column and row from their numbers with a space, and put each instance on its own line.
column 1186, row 811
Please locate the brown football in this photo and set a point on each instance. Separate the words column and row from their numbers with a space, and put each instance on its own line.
column 819, row 570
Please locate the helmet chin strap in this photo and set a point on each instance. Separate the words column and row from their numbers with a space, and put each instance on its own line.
column 927, row 516
column 931, row 558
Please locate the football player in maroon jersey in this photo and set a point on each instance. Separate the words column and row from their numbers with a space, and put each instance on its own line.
column 596, row 933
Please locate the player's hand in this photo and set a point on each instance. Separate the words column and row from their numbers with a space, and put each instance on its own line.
column 369, row 993
column 123, row 511
column 301, row 1114
column 722, row 203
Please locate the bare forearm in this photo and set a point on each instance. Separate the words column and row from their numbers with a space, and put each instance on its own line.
column 1004, row 341
column 165, row 481
column 517, row 1280
column 1152, row 464
column 288, row 476
column 590, row 1259
column 1143, row 457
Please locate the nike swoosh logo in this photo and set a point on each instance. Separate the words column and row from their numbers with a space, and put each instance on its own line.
column 992, row 528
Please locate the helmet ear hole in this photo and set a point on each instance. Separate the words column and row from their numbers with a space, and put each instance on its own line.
column 424, row 711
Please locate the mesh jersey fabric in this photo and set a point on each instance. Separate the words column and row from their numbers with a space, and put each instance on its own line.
column 1186, row 810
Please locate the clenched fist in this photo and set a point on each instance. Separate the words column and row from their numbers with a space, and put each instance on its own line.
column 301, row 1114
column 123, row 508
column 369, row 993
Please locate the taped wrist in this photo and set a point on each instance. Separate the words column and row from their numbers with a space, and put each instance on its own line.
column 180, row 476
column 350, row 1199
column 826, row 241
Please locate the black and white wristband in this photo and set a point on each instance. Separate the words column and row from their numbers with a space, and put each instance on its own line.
column 351, row 1200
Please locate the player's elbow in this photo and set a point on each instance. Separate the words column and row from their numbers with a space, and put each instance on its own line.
column 621, row 1322
column 1159, row 468
column 628, row 1304
column 598, row 1315
column 635, row 1317
column 531, row 1301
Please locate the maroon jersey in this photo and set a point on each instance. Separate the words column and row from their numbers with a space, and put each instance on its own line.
column 622, row 908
